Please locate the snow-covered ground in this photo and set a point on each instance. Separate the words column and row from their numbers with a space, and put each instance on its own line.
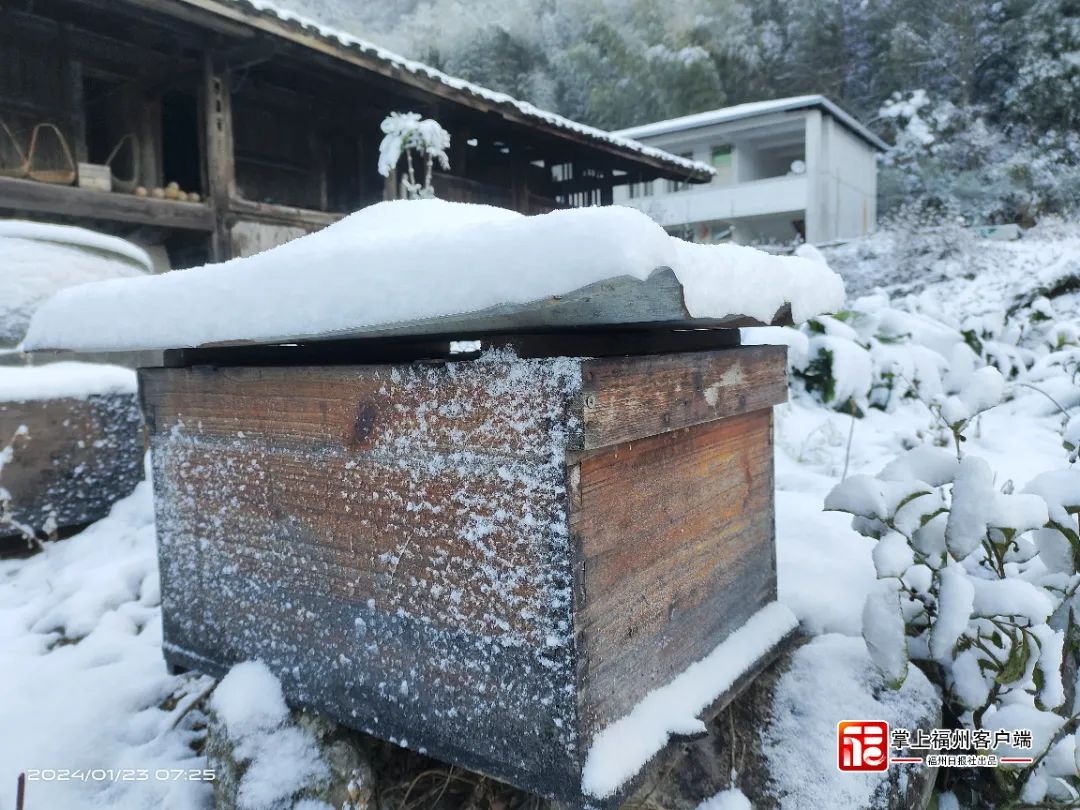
column 83, row 685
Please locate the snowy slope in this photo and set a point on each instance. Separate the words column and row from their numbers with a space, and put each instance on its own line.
column 82, row 680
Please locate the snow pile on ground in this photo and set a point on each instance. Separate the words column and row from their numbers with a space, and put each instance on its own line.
column 411, row 259
column 67, row 379
column 733, row 799
column 623, row 748
column 37, row 260
column 83, row 684
column 832, row 679
column 279, row 759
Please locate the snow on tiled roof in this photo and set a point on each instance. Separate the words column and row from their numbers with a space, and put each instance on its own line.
column 343, row 39
column 749, row 110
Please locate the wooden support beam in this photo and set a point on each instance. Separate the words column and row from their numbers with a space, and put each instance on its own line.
column 220, row 156
column 76, row 101
column 280, row 214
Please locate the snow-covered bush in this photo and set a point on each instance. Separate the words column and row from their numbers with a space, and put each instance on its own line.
column 977, row 584
column 419, row 139
column 875, row 355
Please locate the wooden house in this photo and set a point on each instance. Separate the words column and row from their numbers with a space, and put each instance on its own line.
column 271, row 120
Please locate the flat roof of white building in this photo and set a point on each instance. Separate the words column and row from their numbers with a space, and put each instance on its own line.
column 750, row 110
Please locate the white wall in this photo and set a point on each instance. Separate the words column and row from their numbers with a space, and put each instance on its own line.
column 837, row 196
column 843, row 175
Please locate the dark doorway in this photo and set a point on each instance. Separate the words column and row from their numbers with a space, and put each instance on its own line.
column 180, row 141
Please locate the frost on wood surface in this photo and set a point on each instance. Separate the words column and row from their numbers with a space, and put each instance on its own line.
column 412, row 259
column 623, row 748
column 830, row 679
column 76, row 456
column 459, row 628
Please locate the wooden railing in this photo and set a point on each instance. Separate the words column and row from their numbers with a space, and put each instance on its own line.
column 463, row 189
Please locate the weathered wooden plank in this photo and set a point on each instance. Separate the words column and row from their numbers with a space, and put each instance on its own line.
column 624, row 302
column 391, row 541
column 449, row 406
column 630, row 397
column 80, row 456
column 675, row 537
column 217, row 118
column 28, row 195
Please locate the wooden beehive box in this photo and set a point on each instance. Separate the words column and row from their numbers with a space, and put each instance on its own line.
column 488, row 560
column 76, row 458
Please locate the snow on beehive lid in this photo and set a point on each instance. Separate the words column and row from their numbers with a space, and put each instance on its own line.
column 434, row 267
column 37, row 259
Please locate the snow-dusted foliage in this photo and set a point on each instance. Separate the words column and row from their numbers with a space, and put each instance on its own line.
column 954, row 157
column 422, row 140
column 965, row 589
column 977, row 582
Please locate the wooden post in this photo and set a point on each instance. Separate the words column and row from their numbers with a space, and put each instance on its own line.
column 220, row 162
column 519, row 194
column 607, row 194
column 76, row 105
column 151, row 141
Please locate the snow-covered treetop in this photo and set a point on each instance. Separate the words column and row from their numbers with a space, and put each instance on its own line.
column 407, row 260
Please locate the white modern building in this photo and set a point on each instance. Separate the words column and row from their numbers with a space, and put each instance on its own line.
column 792, row 168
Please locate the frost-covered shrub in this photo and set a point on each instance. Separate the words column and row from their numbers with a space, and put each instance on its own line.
column 418, row 139
column 872, row 356
column 977, row 585
column 876, row 355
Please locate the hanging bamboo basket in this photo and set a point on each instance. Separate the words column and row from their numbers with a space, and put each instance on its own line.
column 13, row 162
column 130, row 183
column 50, row 174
